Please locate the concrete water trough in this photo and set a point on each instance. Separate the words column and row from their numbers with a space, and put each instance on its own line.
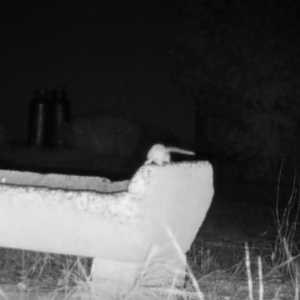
column 158, row 211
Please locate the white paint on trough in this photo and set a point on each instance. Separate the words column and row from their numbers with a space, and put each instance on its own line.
column 116, row 223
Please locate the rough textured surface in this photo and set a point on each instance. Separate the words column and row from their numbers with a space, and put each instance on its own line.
column 61, row 181
column 162, row 209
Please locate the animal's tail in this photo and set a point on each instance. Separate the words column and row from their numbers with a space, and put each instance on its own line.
column 180, row 151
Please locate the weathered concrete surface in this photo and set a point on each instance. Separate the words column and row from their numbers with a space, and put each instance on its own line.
column 61, row 181
column 160, row 207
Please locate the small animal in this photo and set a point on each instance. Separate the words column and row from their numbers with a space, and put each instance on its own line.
column 160, row 155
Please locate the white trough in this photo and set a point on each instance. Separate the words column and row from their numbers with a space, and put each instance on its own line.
column 119, row 224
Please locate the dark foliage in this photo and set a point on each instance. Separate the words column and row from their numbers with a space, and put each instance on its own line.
column 240, row 61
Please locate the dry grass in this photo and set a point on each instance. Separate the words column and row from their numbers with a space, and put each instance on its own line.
column 285, row 254
column 74, row 281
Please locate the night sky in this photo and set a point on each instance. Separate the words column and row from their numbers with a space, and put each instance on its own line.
column 111, row 54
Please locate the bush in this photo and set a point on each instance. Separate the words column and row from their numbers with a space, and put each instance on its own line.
column 105, row 135
column 4, row 136
column 240, row 61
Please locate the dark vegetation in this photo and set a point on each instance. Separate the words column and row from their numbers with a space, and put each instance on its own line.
column 109, row 145
column 240, row 62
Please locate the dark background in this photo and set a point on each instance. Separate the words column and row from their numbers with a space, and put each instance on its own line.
column 111, row 54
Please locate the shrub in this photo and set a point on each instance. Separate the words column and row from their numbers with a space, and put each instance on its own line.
column 4, row 136
column 105, row 135
column 240, row 61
